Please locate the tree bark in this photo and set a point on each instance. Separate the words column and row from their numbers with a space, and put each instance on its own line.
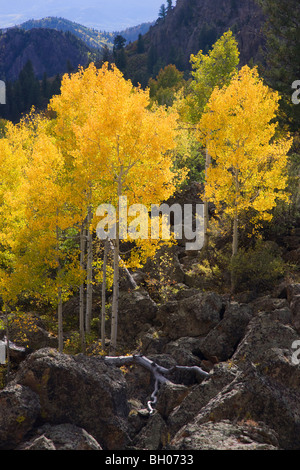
column 115, row 301
column 206, row 214
column 116, row 282
column 7, row 345
column 81, row 292
column 106, row 248
column 89, row 287
column 235, row 235
column 59, row 296
column 60, row 323
column 235, row 232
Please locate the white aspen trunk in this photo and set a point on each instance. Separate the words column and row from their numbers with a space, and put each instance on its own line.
column 115, row 301
column 206, row 214
column 106, row 248
column 235, row 231
column 60, row 323
column 81, row 292
column 128, row 275
column 7, row 345
column 89, row 287
column 59, row 299
column 236, row 220
column 235, row 236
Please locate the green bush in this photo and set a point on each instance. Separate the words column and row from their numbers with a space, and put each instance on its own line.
column 258, row 268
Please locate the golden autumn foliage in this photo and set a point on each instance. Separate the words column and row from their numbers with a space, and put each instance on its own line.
column 107, row 140
column 106, row 132
column 114, row 145
column 249, row 163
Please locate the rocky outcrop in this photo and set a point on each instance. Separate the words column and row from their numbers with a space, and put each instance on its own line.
column 75, row 390
column 61, row 437
column 137, row 313
column 19, row 410
column 250, row 399
column 224, row 435
column 193, row 316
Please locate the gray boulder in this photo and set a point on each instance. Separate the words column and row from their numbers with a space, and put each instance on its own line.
column 293, row 297
column 222, row 340
column 194, row 316
column 19, row 410
column 61, row 437
column 79, row 390
column 225, row 435
column 137, row 312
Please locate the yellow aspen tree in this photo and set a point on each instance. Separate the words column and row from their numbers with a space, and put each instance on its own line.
column 238, row 128
column 214, row 69
column 40, row 267
column 12, row 162
column 115, row 146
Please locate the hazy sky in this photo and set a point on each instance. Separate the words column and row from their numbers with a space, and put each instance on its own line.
column 111, row 15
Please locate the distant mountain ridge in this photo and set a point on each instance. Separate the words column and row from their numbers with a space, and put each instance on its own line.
column 92, row 37
column 51, row 52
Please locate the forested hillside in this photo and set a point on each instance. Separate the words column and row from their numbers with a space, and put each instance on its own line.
column 93, row 38
column 150, row 237
column 48, row 50
column 32, row 63
column 194, row 25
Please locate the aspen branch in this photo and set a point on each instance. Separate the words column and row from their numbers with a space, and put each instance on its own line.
column 156, row 370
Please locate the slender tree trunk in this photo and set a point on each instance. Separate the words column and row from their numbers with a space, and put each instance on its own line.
column 235, row 235
column 81, row 292
column 115, row 301
column 60, row 323
column 132, row 282
column 7, row 345
column 59, row 303
column 89, row 287
column 235, row 232
column 206, row 214
column 106, row 248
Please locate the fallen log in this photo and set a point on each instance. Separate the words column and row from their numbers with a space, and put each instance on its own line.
column 157, row 371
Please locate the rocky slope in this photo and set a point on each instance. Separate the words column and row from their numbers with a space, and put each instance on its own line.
column 250, row 399
column 248, row 345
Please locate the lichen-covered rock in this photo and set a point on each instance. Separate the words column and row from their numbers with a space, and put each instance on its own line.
column 19, row 409
column 263, row 333
column 61, row 437
column 225, row 435
column 79, row 390
column 200, row 395
column 253, row 396
column 194, row 316
column 136, row 313
column 153, row 436
column 293, row 297
column 222, row 340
